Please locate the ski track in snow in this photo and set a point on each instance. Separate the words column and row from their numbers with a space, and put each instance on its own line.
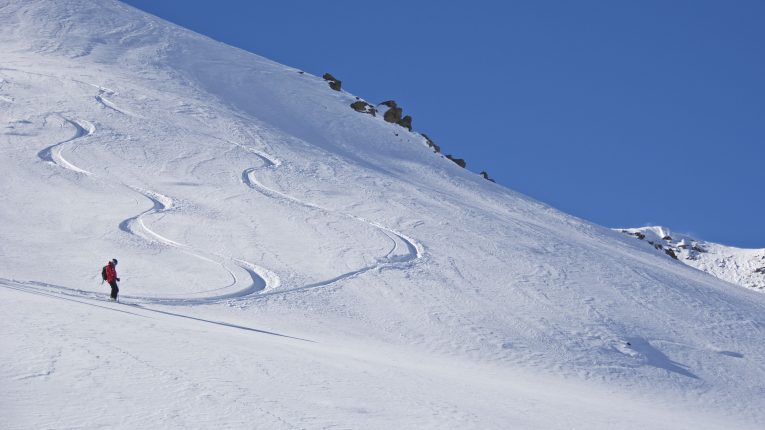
column 257, row 275
column 52, row 154
column 135, row 225
column 263, row 282
column 108, row 103
column 414, row 249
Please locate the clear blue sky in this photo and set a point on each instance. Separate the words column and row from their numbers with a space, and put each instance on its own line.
column 626, row 113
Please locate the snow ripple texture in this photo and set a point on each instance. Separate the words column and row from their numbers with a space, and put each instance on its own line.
column 287, row 262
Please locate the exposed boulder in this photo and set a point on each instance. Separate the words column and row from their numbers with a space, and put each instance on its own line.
column 334, row 83
column 393, row 114
column 405, row 122
column 486, row 176
column 667, row 238
column 671, row 253
column 459, row 161
column 760, row 270
column 364, row 107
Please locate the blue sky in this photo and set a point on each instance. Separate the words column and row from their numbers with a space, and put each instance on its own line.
column 626, row 113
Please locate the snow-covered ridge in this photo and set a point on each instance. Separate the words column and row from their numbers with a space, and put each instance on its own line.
column 745, row 267
column 287, row 262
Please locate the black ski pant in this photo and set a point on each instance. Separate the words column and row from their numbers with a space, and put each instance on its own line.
column 115, row 289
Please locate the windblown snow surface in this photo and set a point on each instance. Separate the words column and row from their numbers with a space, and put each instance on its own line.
column 289, row 263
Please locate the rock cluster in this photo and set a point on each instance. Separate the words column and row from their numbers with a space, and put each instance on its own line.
column 394, row 114
column 363, row 107
column 745, row 267
column 668, row 249
column 405, row 122
column 334, row 83
column 458, row 161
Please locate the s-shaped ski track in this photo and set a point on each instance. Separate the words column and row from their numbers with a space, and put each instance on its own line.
column 415, row 251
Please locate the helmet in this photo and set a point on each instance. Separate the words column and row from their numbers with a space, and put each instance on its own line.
column 114, row 260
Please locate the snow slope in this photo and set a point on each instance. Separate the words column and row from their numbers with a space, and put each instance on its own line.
column 744, row 267
column 287, row 262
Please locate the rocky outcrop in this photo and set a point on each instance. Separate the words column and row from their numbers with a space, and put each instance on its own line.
column 334, row 83
column 736, row 265
column 658, row 246
column 405, row 122
column 364, row 107
column 460, row 162
column 486, row 176
column 393, row 113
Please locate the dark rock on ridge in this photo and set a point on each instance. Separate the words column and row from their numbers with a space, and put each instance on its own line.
column 364, row 107
column 459, row 161
column 334, row 83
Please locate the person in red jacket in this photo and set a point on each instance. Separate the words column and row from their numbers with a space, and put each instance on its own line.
column 111, row 278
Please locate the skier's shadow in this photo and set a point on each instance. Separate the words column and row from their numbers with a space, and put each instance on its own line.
column 654, row 357
column 137, row 306
column 225, row 324
column 59, row 297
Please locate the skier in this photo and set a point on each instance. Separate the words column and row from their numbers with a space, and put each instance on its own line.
column 111, row 277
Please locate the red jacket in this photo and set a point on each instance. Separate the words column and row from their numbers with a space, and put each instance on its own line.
column 111, row 273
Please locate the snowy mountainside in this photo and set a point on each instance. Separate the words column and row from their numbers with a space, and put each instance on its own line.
column 745, row 267
column 287, row 262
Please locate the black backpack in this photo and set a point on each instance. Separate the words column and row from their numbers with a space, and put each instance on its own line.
column 103, row 273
